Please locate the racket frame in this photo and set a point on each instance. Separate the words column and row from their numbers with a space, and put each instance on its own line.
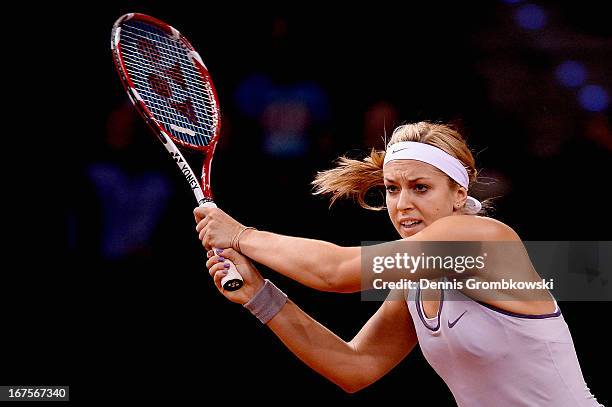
column 200, row 188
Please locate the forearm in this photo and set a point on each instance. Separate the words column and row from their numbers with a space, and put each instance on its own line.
column 318, row 347
column 313, row 263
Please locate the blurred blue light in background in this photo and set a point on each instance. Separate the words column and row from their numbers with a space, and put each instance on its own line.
column 593, row 98
column 512, row 1
column 531, row 17
column 571, row 73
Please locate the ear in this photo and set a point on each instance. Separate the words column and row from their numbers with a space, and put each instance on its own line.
column 460, row 198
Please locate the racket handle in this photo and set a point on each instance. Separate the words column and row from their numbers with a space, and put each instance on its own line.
column 233, row 280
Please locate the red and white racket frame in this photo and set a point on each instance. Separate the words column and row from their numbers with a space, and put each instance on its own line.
column 200, row 187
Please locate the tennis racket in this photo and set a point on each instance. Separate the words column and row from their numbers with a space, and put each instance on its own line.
column 168, row 83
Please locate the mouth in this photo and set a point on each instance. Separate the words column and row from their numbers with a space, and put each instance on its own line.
column 410, row 224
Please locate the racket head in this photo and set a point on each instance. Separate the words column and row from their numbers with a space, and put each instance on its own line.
column 168, row 83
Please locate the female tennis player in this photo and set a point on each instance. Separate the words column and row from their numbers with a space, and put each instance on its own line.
column 501, row 353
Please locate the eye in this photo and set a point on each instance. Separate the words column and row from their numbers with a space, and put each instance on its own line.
column 391, row 188
column 421, row 187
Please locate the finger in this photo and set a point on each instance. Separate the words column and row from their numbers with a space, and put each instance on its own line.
column 204, row 230
column 206, row 241
column 214, row 260
column 218, row 277
column 217, row 268
column 201, row 224
column 228, row 253
column 201, row 212
column 209, row 254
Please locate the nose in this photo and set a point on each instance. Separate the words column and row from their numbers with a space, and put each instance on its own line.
column 404, row 202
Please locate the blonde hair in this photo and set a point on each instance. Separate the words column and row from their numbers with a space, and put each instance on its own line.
column 355, row 178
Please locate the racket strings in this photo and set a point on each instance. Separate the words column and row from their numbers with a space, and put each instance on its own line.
column 152, row 55
column 157, row 60
column 172, row 88
column 179, row 90
column 174, row 48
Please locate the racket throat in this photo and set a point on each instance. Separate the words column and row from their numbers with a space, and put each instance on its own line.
column 183, row 165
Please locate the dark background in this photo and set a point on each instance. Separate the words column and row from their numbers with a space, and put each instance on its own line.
column 104, row 287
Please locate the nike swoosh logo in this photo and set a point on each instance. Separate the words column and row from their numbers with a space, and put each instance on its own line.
column 452, row 324
column 405, row 148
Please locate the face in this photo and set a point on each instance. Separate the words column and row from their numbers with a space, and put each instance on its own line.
column 418, row 194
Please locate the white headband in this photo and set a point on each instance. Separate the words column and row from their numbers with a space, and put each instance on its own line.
column 411, row 150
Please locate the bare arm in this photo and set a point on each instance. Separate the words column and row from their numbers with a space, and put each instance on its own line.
column 381, row 344
column 329, row 267
column 378, row 347
column 314, row 263
column 323, row 265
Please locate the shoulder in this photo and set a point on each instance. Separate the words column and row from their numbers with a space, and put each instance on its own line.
column 468, row 227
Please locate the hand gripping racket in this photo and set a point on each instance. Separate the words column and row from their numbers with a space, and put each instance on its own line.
column 167, row 81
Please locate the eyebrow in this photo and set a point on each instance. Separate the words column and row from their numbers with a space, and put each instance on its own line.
column 409, row 180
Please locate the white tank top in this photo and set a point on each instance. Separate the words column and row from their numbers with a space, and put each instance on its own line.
column 491, row 357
